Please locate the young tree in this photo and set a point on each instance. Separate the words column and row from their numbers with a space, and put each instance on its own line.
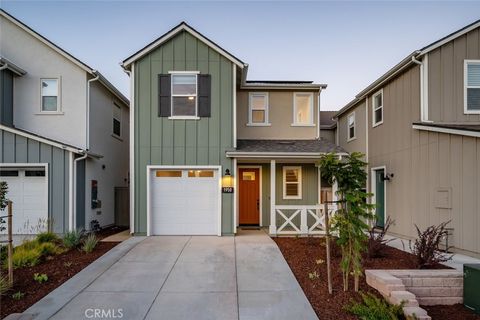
column 350, row 220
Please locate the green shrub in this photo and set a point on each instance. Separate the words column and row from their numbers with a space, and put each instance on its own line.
column 72, row 239
column 3, row 253
column 28, row 245
column 40, row 277
column 90, row 243
column 25, row 257
column 47, row 237
column 373, row 308
column 4, row 285
column 18, row 295
column 48, row 249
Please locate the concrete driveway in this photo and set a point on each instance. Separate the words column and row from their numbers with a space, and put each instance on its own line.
column 242, row 277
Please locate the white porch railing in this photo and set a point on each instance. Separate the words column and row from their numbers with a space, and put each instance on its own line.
column 299, row 219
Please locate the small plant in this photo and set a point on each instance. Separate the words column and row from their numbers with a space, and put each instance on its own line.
column 40, row 277
column 426, row 246
column 67, row 264
column 4, row 285
column 90, row 243
column 23, row 257
column 48, row 249
column 373, row 308
column 376, row 239
column 95, row 226
column 72, row 239
column 313, row 275
column 18, row 295
column 47, row 237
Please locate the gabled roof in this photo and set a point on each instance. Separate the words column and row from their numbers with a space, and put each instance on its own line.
column 405, row 63
column 65, row 54
column 183, row 26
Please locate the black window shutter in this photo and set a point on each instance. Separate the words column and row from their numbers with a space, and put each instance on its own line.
column 164, row 95
column 204, row 93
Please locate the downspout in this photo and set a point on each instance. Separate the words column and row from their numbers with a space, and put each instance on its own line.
column 74, row 218
column 87, row 136
column 318, row 114
column 423, row 115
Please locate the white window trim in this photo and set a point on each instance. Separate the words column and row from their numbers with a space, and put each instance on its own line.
column 294, row 122
column 184, row 73
column 284, row 182
column 374, row 124
column 59, row 97
column 465, row 86
column 250, row 109
column 354, row 127
column 116, row 105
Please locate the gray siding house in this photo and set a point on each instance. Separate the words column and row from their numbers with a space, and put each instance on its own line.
column 63, row 135
column 205, row 142
column 419, row 126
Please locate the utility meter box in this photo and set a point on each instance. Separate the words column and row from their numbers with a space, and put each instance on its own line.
column 471, row 287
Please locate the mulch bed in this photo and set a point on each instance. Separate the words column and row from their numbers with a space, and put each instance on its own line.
column 58, row 269
column 301, row 255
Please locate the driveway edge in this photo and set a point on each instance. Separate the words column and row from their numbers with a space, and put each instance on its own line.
column 58, row 298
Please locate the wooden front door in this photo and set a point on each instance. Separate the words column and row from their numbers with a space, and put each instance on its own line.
column 249, row 196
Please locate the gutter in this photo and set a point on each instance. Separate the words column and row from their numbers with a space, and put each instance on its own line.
column 284, row 155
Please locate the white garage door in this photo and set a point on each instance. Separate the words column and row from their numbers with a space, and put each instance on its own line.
column 27, row 189
column 184, row 202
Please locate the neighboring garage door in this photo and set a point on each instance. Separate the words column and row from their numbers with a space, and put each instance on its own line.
column 184, row 202
column 27, row 189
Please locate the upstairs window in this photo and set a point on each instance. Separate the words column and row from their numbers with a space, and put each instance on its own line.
column 49, row 91
column 258, row 109
column 377, row 106
column 184, row 95
column 117, row 120
column 292, row 182
column 351, row 126
column 472, row 87
column 303, row 109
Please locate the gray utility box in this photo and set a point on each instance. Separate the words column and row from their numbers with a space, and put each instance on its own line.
column 471, row 287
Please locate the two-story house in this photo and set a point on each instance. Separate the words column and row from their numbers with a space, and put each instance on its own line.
column 64, row 134
column 200, row 130
column 419, row 126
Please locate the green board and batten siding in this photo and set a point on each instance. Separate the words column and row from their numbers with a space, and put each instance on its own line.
column 160, row 141
column 18, row 149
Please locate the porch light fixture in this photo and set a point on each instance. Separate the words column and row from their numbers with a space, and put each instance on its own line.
column 227, row 182
column 388, row 177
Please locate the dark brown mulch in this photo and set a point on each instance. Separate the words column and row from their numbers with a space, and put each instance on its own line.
column 457, row 311
column 301, row 255
column 57, row 273
column 109, row 231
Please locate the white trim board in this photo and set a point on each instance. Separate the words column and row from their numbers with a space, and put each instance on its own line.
column 181, row 27
column 237, row 211
column 40, row 139
column 447, row 130
column 149, row 168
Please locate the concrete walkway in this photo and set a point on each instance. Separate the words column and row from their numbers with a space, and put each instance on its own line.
column 243, row 277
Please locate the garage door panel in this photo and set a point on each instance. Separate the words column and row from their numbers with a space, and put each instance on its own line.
column 29, row 197
column 184, row 205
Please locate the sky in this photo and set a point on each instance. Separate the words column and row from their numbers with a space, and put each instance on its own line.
column 345, row 44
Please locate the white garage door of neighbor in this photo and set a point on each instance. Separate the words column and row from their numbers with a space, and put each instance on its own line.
column 27, row 189
column 184, row 202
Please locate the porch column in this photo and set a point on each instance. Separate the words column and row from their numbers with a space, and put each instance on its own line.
column 273, row 222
